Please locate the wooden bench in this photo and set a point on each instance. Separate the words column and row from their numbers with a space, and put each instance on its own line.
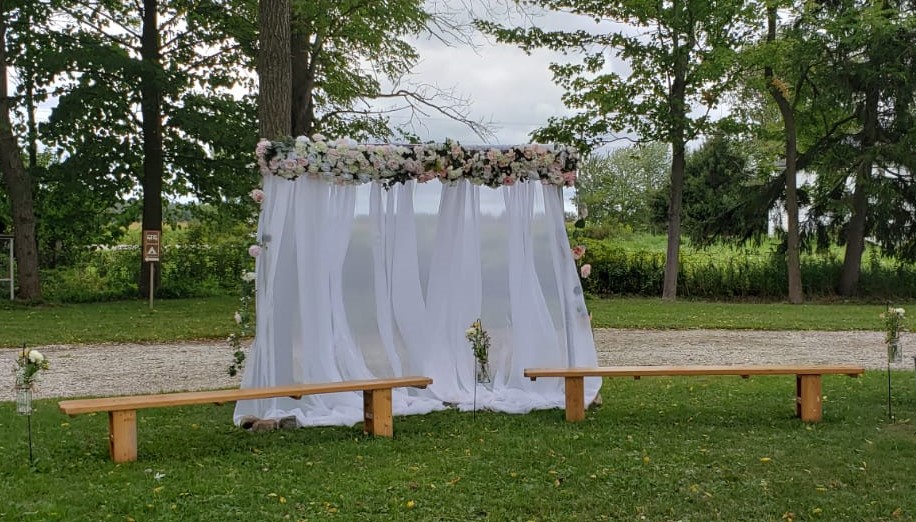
column 807, row 381
column 122, row 411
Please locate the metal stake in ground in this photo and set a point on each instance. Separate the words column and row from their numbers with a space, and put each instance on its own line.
column 31, row 462
column 24, row 404
column 890, row 413
column 474, row 414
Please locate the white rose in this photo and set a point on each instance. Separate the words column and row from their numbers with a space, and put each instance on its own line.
column 469, row 332
column 36, row 357
column 248, row 276
column 899, row 311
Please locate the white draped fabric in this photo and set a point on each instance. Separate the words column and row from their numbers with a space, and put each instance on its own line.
column 389, row 286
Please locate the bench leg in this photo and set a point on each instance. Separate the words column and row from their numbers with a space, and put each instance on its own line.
column 575, row 399
column 808, row 397
column 377, row 412
column 122, row 435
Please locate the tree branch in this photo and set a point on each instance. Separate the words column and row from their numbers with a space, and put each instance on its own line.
column 421, row 104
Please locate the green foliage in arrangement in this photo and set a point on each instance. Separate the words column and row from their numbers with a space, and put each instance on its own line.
column 658, row 449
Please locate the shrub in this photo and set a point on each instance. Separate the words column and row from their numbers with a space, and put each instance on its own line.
column 191, row 266
column 736, row 274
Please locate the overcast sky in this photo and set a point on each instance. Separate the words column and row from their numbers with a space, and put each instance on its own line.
column 505, row 88
column 511, row 91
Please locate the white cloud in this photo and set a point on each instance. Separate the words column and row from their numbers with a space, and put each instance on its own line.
column 510, row 91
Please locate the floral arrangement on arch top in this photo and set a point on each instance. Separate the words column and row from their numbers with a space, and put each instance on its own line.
column 347, row 162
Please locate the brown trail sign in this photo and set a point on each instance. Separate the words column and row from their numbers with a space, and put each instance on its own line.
column 151, row 245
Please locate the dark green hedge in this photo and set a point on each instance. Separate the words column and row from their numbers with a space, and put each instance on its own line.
column 706, row 276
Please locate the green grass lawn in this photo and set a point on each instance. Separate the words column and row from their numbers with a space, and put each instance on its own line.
column 660, row 449
column 119, row 321
column 655, row 313
column 211, row 318
column 665, row 449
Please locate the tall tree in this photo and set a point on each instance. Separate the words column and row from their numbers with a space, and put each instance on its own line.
column 618, row 188
column 861, row 67
column 874, row 65
column 779, row 90
column 150, row 100
column 19, row 184
column 680, row 55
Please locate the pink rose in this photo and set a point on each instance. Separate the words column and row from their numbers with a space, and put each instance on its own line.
column 254, row 250
column 569, row 178
column 578, row 251
column 257, row 195
column 586, row 271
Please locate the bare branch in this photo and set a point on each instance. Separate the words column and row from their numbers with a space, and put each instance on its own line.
column 422, row 104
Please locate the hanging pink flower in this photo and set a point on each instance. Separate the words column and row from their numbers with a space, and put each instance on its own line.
column 257, row 195
column 578, row 251
column 254, row 250
column 586, row 271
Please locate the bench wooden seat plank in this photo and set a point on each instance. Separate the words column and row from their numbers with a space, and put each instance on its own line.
column 807, row 381
column 122, row 411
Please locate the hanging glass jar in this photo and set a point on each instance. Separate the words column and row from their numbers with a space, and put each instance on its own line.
column 483, row 372
column 894, row 350
column 23, row 397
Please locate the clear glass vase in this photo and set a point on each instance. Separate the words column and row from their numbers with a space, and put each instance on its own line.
column 483, row 373
column 23, row 398
column 894, row 351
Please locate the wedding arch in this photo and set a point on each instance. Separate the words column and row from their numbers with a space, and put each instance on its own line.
column 373, row 260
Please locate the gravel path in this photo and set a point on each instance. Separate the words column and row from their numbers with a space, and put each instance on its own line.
column 120, row 369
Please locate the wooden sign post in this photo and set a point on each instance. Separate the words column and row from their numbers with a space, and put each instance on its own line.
column 151, row 250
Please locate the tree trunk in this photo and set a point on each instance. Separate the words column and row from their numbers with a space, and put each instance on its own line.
column 150, row 110
column 302, row 66
column 855, row 234
column 677, row 100
column 274, row 76
column 19, row 187
column 793, row 258
column 672, row 265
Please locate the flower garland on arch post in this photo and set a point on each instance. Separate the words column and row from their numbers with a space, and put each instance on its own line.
column 244, row 317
